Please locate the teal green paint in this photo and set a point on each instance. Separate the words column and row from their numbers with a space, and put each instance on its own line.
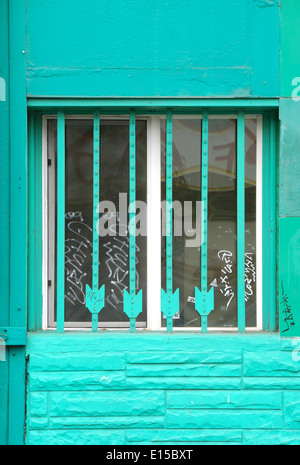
column 289, row 275
column 60, row 221
column 269, row 220
column 289, row 54
column 194, row 104
column 289, row 167
column 169, row 300
column 215, row 48
column 132, row 301
column 273, row 222
column 35, row 199
column 266, row 221
column 17, row 242
column 38, row 222
column 241, row 221
column 31, row 323
column 95, row 297
column 13, row 336
column 4, row 214
column 155, row 387
column 34, row 222
column 204, row 301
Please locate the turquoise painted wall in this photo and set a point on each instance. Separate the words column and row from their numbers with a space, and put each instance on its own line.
column 289, row 170
column 120, row 388
column 153, row 48
column 13, row 220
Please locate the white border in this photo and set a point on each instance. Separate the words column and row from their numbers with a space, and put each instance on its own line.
column 154, row 223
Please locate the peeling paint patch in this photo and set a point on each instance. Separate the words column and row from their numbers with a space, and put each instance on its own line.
column 2, row 89
column 266, row 3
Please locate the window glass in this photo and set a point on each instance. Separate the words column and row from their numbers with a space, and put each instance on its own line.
column 222, row 219
column 114, row 180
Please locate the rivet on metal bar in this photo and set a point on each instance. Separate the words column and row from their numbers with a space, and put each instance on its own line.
column 204, row 301
column 95, row 297
column 169, row 300
column 133, row 303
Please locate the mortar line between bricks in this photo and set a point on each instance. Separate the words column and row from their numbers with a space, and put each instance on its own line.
column 242, row 369
column 165, row 410
column 125, row 370
column 48, row 409
column 282, row 403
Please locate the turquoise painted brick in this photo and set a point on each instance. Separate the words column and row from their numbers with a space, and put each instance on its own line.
column 38, row 404
column 161, row 395
column 38, row 423
column 209, row 356
column 205, row 418
column 120, row 342
column 224, row 400
column 271, row 383
column 72, row 380
column 183, row 370
column 86, row 361
column 291, row 402
column 183, row 383
column 75, row 437
column 272, row 438
column 119, row 403
column 274, row 364
column 184, row 436
column 107, row 422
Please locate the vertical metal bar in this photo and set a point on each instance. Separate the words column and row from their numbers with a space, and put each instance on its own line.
column 132, row 302
column 241, row 221
column 95, row 297
column 204, row 300
column 169, row 300
column 132, row 196
column 60, row 221
column 169, row 199
column 204, row 194
column 96, row 187
column 273, row 224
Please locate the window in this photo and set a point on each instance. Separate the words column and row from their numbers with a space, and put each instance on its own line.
column 163, row 211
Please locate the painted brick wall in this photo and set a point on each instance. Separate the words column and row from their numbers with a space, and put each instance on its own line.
column 120, row 388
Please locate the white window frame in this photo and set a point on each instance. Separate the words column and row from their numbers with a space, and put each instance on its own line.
column 154, row 226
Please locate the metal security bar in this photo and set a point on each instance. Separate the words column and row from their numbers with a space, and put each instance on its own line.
column 60, row 221
column 132, row 301
column 204, row 301
column 95, row 297
column 204, row 297
column 169, row 300
column 241, row 221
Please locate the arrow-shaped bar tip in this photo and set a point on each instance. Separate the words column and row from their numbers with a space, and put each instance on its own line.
column 133, row 304
column 94, row 299
column 204, row 301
